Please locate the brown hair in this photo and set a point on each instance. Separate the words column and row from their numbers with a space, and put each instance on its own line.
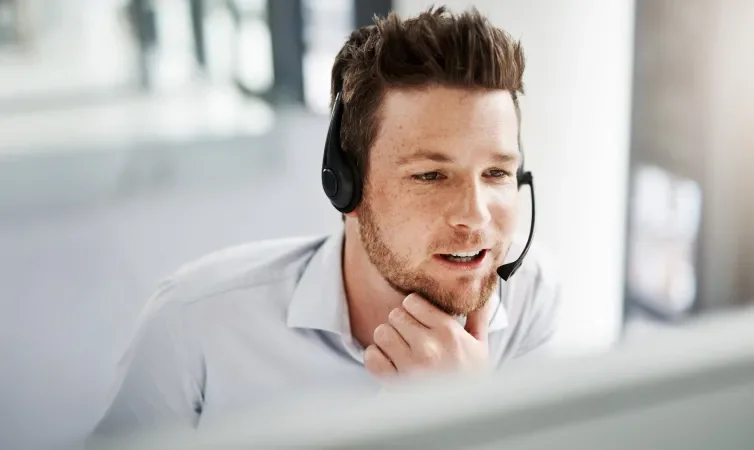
column 434, row 48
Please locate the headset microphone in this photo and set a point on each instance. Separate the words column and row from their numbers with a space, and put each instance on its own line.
column 342, row 181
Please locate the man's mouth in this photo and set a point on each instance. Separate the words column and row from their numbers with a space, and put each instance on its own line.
column 465, row 257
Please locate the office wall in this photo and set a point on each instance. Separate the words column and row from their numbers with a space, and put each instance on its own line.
column 576, row 132
column 728, row 157
column 692, row 108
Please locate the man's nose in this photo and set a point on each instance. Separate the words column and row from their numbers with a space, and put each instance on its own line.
column 469, row 207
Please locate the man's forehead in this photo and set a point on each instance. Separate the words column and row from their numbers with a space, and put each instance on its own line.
column 447, row 103
column 443, row 119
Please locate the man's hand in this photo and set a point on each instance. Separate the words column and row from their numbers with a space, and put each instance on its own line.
column 421, row 338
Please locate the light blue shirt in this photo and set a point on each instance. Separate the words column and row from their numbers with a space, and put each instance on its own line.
column 249, row 326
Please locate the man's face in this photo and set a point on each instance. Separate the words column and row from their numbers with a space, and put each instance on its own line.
column 442, row 182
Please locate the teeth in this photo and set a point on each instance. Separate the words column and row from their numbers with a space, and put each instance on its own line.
column 465, row 254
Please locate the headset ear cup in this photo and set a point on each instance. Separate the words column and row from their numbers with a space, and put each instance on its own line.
column 342, row 182
column 341, row 179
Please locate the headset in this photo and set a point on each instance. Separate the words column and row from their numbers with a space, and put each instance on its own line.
column 343, row 185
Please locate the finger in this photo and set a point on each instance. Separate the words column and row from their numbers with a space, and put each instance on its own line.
column 378, row 364
column 411, row 330
column 477, row 322
column 426, row 313
column 392, row 344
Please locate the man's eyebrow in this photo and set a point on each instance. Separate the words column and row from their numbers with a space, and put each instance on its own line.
column 432, row 155
column 506, row 157
column 425, row 155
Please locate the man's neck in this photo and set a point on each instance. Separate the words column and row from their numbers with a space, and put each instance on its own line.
column 370, row 298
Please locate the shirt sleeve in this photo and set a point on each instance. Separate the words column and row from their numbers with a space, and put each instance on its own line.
column 161, row 376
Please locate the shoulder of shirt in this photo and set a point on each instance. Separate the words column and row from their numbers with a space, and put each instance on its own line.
column 539, row 267
column 238, row 267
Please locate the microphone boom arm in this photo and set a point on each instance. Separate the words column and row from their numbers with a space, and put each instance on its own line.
column 507, row 270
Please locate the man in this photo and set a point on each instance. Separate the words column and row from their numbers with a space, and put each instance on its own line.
column 430, row 118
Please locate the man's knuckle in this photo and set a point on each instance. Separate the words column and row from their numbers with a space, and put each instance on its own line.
column 431, row 352
column 399, row 315
column 456, row 334
column 382, row 333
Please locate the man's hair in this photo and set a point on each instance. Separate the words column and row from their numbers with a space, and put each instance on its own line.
column 435, row 48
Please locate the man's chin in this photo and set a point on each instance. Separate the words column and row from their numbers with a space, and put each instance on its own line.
column 456, row 297
column 456, row 309
column 458, row 302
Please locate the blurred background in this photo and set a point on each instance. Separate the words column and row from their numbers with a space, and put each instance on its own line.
column 136, row 135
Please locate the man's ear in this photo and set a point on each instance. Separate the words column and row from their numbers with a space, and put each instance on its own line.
column 353, row 214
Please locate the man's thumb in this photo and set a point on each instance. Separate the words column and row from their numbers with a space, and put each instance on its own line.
column 477, row 323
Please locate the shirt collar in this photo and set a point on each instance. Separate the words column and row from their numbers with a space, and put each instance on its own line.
column 319, row 300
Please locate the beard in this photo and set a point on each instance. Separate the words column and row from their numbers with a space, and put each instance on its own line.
column 395, row 269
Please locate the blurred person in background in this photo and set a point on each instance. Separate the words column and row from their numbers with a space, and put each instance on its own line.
column 428, row 115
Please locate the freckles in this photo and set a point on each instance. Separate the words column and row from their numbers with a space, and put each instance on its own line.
column 425, row 215
column 409, row 213
column 389, row 204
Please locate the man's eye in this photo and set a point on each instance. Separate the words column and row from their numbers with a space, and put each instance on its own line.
column 429, row 176
column 496, row 173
